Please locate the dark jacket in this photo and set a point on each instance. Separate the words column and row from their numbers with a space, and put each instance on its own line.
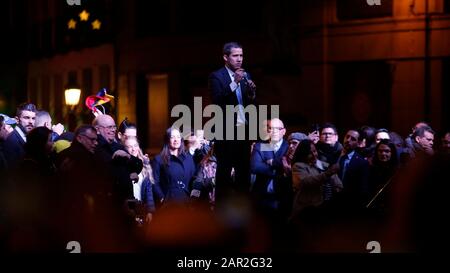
column 31, row 204
column 89, row 210
column 3, row 162
column 81, row 173
column 219, row 84
column 355, row 181
column 147, row 195
column 264, row 172
column 328, row 153
column 120, row 168
column 174, row 179
column 222, row 95
column 13, row 148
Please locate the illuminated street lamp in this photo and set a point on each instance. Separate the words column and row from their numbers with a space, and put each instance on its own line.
column 72, row 96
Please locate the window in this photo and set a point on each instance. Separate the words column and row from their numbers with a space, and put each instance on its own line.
column 47, row 37
column 362, row 92
column 445, row 93
column 45, row 92
column 446, row 6
column 87, row 81
column 59, row 101
column 33, row 90
column 72, row 77
column 35, row 45
column 105, row 77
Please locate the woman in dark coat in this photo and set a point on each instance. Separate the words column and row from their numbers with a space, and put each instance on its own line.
column 173, row 170
column 383, row 167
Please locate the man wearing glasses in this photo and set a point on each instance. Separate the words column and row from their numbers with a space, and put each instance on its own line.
column 269, row 188
column 82, row 147
column 266, row 163
column 87, row 209
column 121, row 165
column 106, row 128
column 328, row 147
column 88, row 139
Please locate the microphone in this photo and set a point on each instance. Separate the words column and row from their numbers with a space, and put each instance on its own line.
column 245, row 77
column 251, row 89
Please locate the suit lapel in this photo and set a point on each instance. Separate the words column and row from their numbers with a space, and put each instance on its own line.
column 226, row 76
column 227, row 81
column 354, row 161
column 282, row 149
column 19, row 137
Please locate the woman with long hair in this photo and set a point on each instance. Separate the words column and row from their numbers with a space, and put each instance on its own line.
column 173, row 169
column 143, row 185
column 383, row 167
column 310, row 215
column 309, row 177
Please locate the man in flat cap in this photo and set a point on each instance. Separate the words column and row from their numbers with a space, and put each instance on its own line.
column 5, row 131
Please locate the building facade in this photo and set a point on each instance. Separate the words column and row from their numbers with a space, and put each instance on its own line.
column 343, row 61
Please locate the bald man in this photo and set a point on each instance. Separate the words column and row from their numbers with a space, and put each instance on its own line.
column 43, row 118
column 266, row 164
column 123, row 166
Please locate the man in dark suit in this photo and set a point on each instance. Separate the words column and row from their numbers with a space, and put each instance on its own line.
column 122, row 166
column 266, row 163
column 354, row 170
column 231, row 85
column 5, row 131
column 14, row 145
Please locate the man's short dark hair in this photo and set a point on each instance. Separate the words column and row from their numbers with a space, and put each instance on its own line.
column 328, row 125
column 26, row 106
column 82, row 129
column 228, row 46
column 420, row 132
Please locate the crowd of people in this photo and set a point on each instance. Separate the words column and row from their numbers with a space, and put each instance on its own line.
column 101, row 185
column 305, row 191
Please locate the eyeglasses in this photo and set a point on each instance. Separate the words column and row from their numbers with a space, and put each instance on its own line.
column 275, row 128
column 111, row 127
column 90, row 138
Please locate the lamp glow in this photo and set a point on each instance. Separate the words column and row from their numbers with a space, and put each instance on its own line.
column 72, row 96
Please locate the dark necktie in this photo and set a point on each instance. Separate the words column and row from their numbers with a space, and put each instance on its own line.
column 238, row 92
column 343, row 162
